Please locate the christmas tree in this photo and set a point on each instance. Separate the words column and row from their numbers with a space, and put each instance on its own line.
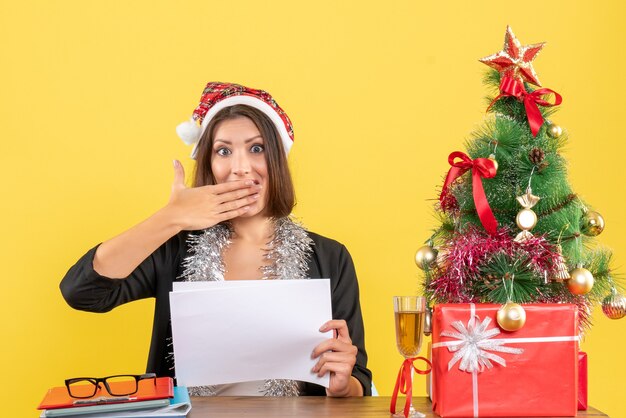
column 512, row 229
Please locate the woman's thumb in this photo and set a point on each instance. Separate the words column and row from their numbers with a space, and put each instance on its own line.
column 179, row 175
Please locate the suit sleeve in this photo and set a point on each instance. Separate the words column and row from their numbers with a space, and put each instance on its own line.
column 346, row 305
column 84, row 289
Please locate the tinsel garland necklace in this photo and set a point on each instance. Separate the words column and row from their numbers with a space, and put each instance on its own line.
column 288, row 253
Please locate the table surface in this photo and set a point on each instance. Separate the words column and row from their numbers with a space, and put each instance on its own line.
column 311, row 406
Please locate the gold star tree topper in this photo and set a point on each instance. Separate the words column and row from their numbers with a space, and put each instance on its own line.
column 515, row 60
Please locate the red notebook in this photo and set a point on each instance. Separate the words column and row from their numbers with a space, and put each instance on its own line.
column 59, row 398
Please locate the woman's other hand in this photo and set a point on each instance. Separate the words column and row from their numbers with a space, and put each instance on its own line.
column 337, row 356
column 194, row 208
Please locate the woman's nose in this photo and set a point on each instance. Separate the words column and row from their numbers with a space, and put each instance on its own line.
column 241, row 165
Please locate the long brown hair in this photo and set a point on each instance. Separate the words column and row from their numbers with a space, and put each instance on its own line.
column 281, row 197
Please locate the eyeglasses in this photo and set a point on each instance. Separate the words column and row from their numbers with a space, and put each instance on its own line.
column 118, row 385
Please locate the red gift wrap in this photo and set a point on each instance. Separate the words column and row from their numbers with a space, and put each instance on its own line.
column 582, row 381
column 480, row 370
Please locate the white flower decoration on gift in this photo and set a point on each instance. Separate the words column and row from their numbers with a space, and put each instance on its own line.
column 474, row 345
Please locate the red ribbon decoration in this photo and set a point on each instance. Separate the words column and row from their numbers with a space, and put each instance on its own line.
column 531, row 100
column 510, row 86
column 404, row 383
column 481, row 168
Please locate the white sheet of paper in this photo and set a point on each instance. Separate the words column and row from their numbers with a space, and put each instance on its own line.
column 237, row 331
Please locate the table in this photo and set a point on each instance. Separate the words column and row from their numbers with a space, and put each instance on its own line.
column 310, row 406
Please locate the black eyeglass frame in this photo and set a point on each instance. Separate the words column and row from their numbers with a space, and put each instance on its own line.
column 96, row 380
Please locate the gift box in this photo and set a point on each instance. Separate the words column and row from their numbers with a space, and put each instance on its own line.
column 429, row 378
column 582, row 381
column 482, row 370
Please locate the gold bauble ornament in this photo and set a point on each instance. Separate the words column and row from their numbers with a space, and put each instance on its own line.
column 425, row 256
column 580, row 281
column 511, row 316
column 526, row 219
column 492, row 157
column 554, row 131
column 593, row 224
column 614, row 306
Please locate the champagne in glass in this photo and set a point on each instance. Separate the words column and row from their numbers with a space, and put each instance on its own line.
column 409, row 314
column 409, row 331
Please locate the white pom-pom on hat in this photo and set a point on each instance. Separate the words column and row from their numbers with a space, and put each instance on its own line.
column 189, row 131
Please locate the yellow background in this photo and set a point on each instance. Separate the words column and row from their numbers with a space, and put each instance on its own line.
column 379, row 93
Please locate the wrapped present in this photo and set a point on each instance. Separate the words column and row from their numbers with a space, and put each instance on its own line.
column 582, row 381
column 429, row 379
column 481, row 370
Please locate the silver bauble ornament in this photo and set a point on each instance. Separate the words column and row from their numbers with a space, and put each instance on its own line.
column 511, row 316
column 428, row 321
column 580, row 281
column 614, row 306
column 593, row 224
column 425, row 257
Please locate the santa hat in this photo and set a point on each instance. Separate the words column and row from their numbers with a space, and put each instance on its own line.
column 217, row 96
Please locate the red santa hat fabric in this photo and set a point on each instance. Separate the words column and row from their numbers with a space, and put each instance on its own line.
column 217, row 96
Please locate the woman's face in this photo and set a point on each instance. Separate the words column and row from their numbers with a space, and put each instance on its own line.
column 239, row 154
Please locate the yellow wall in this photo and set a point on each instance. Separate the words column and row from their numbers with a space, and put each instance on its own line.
column 379, row 93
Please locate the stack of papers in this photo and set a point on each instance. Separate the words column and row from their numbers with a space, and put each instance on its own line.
column 176, row 407
column 152, row 400
column 238, row 331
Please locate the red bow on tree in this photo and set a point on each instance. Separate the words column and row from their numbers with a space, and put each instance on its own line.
column 510, row 86
column 481, row 168
column 404, row 383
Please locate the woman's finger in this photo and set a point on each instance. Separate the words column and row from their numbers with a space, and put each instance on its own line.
column 237, row 194
column 336, row 345
column 343, row 369
column 225, row 216
column 340, row 328
column 334, row 357
column 229, row 186
column 231, row 210
column 236, row 204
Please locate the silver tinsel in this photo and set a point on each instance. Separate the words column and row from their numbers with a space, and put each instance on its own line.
column 205, row 262
column 207, row 390
column 287, row 253
column 281, row 387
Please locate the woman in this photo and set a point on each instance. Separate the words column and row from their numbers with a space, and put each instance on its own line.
column 233, row 224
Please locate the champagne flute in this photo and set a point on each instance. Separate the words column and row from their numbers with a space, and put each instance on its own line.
column 409, row 313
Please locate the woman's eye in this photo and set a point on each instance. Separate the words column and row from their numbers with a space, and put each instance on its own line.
column 257, row 148
column 222, row 151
